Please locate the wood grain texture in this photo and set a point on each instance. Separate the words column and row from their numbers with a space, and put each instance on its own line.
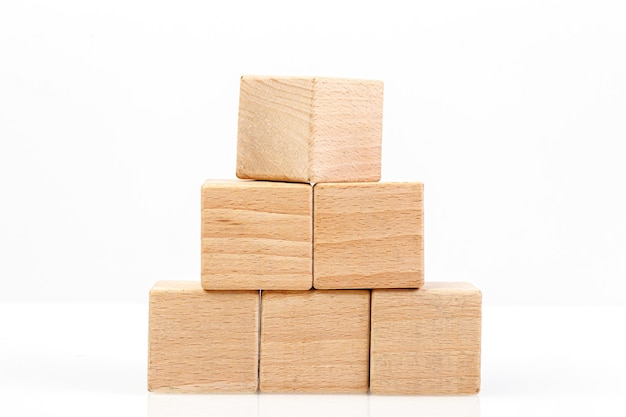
column 202, row 341
column 315, row 341
column 309, row 129
column 426, row 341
column 256, row 235
column 368, row 235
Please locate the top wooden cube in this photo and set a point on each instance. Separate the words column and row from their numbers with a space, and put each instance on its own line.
column 309, row 129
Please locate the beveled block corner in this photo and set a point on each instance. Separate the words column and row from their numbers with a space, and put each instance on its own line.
column 256, row 235
column 309, row 129
column 426, row 341
column 368, row 235
column 202, row 341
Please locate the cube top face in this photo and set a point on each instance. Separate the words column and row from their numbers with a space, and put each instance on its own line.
column 309, row 129
column 368, row 235
column 315, row 341
column 256, row 235
column 426, row 341
column 202, row 341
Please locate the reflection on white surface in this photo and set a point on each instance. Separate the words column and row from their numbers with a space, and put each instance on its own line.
column 288, row 405
column 404, row 406
column 197, row 405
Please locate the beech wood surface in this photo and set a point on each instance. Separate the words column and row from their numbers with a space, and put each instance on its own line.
column 426, row 341
column 315, row 341
column 368, row 235
column 256, row 235
column 202, row 341
column 309, row 129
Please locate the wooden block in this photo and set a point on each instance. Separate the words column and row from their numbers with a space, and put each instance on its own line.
column 256, row 235
column 315, row 341
column 309, row 129
column 202, row 341
column 368, row 235
column 426, row 341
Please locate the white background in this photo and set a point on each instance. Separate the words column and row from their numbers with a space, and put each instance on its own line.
column 512, row 113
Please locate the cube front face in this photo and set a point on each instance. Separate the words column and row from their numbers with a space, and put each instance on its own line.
column 274, row 137
column 256, row 235
column 368, row 235
column 426, row 341
column 309, row 129
column 315, row 341
column 201, row 341
column 347, row 131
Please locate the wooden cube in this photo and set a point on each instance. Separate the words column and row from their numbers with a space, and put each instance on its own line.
column 315, row 341
column 309, row 129
column 256, row 235
column 368, row 235
column 202, row 341
column 426, row 341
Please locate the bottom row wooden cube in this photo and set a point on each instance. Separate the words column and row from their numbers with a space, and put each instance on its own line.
column 315, row 341
column 424, row 341
column 202, row 341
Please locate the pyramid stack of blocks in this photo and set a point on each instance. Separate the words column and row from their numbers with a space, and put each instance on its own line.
column 313, row 270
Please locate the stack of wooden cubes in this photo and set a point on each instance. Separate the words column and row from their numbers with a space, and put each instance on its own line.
column 312, row 269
